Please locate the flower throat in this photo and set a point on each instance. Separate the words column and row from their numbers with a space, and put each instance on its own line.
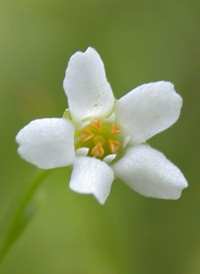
column 102, row 138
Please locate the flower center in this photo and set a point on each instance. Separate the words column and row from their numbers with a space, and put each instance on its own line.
column 100, row 137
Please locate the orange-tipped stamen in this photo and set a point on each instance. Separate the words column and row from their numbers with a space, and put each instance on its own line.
column 115, row 129
column 96, row 124
column 86, row 135
column 114, row 145
column 98, row 150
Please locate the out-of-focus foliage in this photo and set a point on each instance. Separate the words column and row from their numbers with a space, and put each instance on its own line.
column 139, row 42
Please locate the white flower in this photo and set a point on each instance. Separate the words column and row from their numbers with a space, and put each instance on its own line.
column 103, row 138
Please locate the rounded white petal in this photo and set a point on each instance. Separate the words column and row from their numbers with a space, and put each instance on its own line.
column 91, row 176
column 148, row 110
column 47, row 143
column 150, row 173
column 85, row 84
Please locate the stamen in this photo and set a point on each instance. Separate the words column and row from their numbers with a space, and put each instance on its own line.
column 86, row 135
column 126, row 141
column 109, row 158
column 83, row 125
column 114, row 145
column 99, row 139
column 82, row 151
column 110, row 119
column 96, row 124
column 115, row 129
column 98, row 150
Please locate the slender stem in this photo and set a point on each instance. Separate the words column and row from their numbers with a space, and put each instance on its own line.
column 9, row 237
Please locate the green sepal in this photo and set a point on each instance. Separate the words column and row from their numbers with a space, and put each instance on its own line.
column 67, row 114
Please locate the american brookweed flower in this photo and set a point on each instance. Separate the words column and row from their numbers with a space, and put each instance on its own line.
column 103, row 138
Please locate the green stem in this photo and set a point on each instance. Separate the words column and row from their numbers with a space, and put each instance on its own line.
column 16, row 225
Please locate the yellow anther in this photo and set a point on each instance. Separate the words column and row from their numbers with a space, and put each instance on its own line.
column 114, row 145
column 115, row 129
column 86, row 135
column 96, row 124
column 98, row 150
column 99, row 139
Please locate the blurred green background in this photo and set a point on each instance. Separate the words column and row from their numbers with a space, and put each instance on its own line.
column 139, row 41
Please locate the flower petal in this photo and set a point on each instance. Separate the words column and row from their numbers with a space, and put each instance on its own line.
column 47, row 143
column 148, row 172
column 148, row 110
column 92, row 176
column 85, row 84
